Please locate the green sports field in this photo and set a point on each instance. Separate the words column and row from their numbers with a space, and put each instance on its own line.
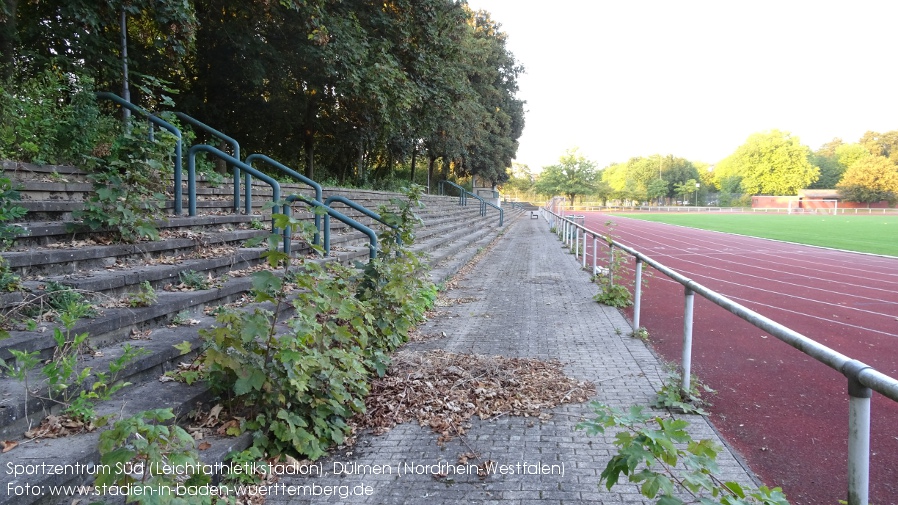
column 871, row 234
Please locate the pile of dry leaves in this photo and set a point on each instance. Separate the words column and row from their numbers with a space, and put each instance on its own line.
column 443, row 390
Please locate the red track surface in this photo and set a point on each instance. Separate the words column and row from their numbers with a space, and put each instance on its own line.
column 783, row 411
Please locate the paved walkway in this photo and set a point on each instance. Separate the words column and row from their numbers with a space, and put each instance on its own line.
column 530, row 299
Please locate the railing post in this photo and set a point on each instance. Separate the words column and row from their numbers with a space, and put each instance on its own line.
column 637, row 294
column 595, row 253
column 611, row 264
column 584, row 248
column 687, row 344
column 858, row 434
column 576, row 242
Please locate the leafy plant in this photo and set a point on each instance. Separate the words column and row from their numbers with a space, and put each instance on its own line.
column 182, row 318
column 135, row 445
column 145, row 297
column 612, row 291
column 392, row 283
column 9, row 211
column 194, row 280
column 9, row 281
column 60, row 299
column 672, row 396
column 298, row 388
column 129, row 185
column 49, row 118
column 69, row 383
column 658, row 455
column 641, row 333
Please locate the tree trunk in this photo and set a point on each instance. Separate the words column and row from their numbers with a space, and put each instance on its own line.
column 8, row 37
column 309, row 150
column 430, row 162
column 308, row 141
column 414, row 156
column 360, row 171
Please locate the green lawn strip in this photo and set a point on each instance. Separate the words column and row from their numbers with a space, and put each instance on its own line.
column 871, row 234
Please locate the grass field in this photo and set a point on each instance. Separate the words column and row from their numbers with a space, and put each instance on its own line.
column 871, row 234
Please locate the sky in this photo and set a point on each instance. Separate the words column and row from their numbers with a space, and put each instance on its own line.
column 693, row 79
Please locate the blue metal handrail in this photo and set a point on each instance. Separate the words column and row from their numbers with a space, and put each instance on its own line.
column 484, row 203
column 372, row 237
column 359, row 207
column 462, row 192
column 292, row 173
column 463, row 200
column 162, row 124
column 235, row 146
column 191, row 175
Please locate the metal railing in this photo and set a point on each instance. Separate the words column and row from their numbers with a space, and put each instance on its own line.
column 463, row 200
column 372, row 237
column 191, row 176
column 235, row 146
column 105, row 95
column 862, row 379
column 292, row 173
column 462, row 192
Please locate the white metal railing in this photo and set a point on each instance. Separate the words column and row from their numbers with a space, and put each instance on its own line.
column 862, row 379
column 760, row 210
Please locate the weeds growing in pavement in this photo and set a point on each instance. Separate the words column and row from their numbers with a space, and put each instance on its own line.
column 144, row 297
column 671, row 395
column 57, row 299
column 129, row 188
column 136, row 445
column 69, row 383
column 641, row 333
column 612, row 291
column 194, row 280
column 659, row 456
column 296, row 389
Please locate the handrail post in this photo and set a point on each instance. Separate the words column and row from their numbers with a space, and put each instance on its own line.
column 575, row 244
column 637, row 293
column 685, row 386
column 595, row 253
column 611, row 264
column 584, row 248
column 858, row 434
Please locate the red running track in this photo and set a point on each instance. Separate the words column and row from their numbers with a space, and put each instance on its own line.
column 783, row 411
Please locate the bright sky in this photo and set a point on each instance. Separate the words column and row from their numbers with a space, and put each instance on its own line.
column 625, row 78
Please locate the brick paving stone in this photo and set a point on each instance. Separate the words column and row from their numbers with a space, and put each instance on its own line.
column 528, row 298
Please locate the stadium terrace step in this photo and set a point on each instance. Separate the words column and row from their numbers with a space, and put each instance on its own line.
column 211, row 244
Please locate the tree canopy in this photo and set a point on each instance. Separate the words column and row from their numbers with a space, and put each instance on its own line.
column 572, row 176
column 771, row 163
column 869, row 180
column 645, row 178
column 343, row 89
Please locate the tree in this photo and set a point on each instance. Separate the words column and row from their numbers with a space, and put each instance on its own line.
column 869, row 180
column 85, row 35
column 657, row 189
column 686, row 189
column 603, row 191
column 832, row 159
column 881, row 144
column 573, row 175
column 520, row 180
column 773, row 163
